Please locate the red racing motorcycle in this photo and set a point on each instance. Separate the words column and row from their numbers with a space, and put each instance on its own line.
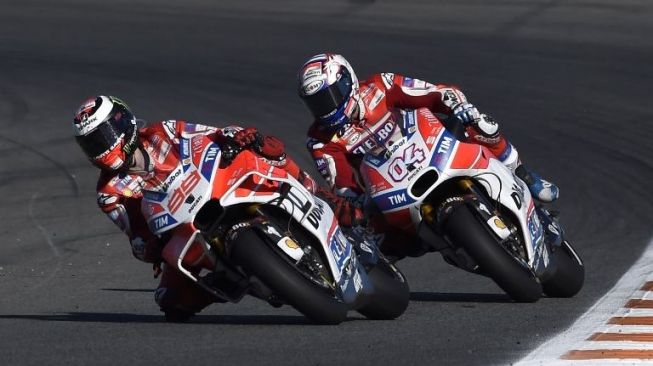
column 241, row 226
column 460, row 200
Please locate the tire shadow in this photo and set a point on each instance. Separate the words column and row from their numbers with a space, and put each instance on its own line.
column 459, row 297
column 85, row 317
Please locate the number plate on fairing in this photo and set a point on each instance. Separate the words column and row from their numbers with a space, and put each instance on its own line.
column 390, row 178
column 184, row 191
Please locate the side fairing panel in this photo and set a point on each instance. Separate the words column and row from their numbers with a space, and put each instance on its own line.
column 256, row 183
column 185, row 189
column 390, row 175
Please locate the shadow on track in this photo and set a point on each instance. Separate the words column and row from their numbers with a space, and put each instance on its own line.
column 129, row 289
column 158, row 318
column 459, row 297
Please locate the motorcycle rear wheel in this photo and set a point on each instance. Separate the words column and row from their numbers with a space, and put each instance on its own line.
column 250, row 251
column 465, row 230
column 391, row 293
column 569, row 276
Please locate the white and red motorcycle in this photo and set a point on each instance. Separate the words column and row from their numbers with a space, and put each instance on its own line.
column 463, row 202
column 247, row 227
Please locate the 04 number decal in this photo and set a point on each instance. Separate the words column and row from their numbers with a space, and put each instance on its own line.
column 400, row 166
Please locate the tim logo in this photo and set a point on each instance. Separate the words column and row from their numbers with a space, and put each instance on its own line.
column 211, row 154
column 162, row 222
column 398, row 199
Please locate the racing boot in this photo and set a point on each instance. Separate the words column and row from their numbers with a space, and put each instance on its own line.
column 178, row 297
column 541, row 189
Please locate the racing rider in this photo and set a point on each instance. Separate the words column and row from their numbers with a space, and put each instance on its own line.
column 130, row 158
column 349, row 120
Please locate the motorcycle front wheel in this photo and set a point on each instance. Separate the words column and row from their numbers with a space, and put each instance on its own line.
column 391, row 293
column 250, row 251
column 570, row 273
column 464, row 229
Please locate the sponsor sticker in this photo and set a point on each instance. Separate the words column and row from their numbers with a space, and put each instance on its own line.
column 312, row 70
column 354, row 138
column 340, row 248
column 320, row 163
column 291, row 244
column 376, row 99
column 388, row 79
column 450, row 98
column 313, row 86
column 291, row 248
column 419, row 84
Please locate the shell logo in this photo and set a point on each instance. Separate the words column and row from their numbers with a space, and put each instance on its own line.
column 291, row 244
column 499, row 223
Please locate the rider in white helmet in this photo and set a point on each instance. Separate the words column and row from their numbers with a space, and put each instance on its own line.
column 343, row 108
column 349, row 119
column 130, row 157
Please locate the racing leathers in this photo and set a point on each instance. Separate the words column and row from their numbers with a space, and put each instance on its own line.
column 337, row 154
column 120, row 195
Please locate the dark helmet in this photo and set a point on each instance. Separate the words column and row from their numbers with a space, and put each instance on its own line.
column 106, row 130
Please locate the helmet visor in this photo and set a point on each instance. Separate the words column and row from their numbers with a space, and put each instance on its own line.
column 107, row 135
column 327, row 101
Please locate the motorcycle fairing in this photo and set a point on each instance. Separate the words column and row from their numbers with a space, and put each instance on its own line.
column 180, row 251
column 248, row 179
column 313, row 213
column 393, row 175
column 186, row 189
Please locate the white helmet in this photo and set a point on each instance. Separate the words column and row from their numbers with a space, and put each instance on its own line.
column 105, row 129
column 329, row 87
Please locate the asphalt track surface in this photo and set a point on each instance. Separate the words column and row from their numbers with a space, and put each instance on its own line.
column 570, row 82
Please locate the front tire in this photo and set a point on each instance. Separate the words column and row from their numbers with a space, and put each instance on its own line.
column 391, row 293
column 259, row 260
column 570, row 273
column 465, row 230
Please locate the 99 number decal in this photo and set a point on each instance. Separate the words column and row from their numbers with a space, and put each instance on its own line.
column 179, row 195
column 399, row 167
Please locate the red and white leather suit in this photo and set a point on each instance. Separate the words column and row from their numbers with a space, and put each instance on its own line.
column 337, row 155
column 119, row 196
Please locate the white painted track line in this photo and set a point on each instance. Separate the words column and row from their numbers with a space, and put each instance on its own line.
column 596, row 320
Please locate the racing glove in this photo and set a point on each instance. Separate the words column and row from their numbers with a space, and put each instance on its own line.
column 465, row 113
column 272, row 148
column 269, row 147
column 247, row 137
column 347, row 213
column 308, row 182
column 242, row 139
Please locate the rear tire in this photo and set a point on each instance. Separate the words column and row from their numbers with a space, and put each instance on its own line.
column 391, row 293
column 465, row 230
column 259, row 260
column 569, row 276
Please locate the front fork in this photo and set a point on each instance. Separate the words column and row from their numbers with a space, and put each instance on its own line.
column 553, row 239
column 473, row 198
